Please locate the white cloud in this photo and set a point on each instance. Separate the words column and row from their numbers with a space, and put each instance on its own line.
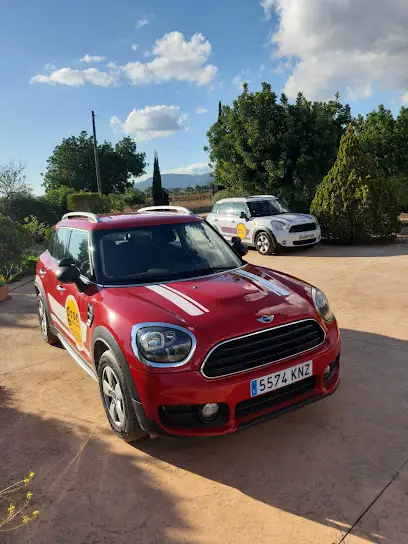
column 239, row 80
column 152, row 122
column 134, row 46
column 142, row 22
column 404, row 98
column 201, row 110
column 193, row 169
column 77, row 78
column 268, row 6
column 342, row 44
column 358, row 93
column 90, row 58
column 174, row 58
column 50, row 66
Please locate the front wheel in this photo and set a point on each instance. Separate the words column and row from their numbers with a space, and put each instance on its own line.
column 266, row 244
column 117, row 400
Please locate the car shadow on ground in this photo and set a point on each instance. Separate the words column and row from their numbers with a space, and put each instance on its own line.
column 325, row 462
column 87, row 489
column 345, row 251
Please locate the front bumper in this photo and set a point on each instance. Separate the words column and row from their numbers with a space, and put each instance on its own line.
column 183, row 392
column 298, row 239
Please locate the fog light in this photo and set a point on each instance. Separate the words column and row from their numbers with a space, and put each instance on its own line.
column 327, row 372
column 283, row 243
column 209, row 411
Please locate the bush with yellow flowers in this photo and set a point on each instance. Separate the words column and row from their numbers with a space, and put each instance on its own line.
column 18, row 510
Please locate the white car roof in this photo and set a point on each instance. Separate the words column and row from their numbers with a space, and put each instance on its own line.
column 246, row 199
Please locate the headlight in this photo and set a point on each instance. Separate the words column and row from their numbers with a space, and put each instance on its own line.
column 322, row 305
column 161, row 345
column 278, row 225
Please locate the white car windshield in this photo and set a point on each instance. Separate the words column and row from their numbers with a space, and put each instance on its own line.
column 264, row 208
column 157, row 253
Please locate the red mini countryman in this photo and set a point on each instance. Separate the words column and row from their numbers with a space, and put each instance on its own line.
column 184, row 337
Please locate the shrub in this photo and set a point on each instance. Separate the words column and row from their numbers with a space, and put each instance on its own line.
column 2, row 281
column 354, row 203
column 14, row 242
column 39, row 232
column 29, row 263
column 88, row 202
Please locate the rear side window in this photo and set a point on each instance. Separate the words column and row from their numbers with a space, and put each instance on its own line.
column 59, row 247
column 226, row 208
column 79, row 251
column 215, row 209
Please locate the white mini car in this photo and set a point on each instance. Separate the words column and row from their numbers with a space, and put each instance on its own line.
column 264, row 222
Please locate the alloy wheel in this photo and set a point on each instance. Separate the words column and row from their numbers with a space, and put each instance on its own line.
column 113, row 397
column 262, row 244
column 43, row 317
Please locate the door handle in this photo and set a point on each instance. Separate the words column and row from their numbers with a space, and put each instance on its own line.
column 60, row 288
column 233, row 222
column 215, row 220
column 42, row 272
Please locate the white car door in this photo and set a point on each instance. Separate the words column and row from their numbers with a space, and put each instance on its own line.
column 224, row 216
column 243, row 227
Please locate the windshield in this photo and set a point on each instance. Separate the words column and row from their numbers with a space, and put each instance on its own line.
column 161, row 253
column 263, row 208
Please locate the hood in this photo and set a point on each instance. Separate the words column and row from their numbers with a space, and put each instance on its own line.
column 292, row 218
column 220, row 306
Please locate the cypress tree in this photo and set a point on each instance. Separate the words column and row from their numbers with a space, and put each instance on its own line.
column 354, row 202
column 219, row 110
column 157, row 189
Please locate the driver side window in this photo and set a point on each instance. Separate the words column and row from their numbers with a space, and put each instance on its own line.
column 240, row 207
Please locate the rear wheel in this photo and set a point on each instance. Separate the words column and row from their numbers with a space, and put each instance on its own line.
column 46, row 333
column 266, row 244
column 117, row 400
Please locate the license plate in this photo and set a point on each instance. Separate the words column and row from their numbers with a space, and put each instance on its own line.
column 281, row 379
column 306, row 236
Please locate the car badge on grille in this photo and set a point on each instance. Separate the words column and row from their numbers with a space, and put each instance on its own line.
column 266, row 319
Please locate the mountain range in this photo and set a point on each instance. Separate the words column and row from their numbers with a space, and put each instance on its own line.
column 180, row 181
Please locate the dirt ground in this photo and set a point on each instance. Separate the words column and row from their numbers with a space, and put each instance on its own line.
column 335, row 471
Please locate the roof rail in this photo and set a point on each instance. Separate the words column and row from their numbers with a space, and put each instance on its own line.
column 93, row 218
column 167, row 209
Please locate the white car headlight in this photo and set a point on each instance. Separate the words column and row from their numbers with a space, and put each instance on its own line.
column 322, row 305
column 162, row 345
column 278, row 225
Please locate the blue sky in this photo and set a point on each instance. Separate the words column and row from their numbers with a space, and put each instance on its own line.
column 185, row 57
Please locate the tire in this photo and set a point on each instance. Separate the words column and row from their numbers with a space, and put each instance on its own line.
column 266, row 243
column 117, row 400
column 46, row 333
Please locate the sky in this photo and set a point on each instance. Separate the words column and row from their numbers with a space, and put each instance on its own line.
column 156, row 69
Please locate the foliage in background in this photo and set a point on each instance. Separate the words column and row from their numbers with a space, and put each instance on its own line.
column 13, row 180
column 385, row 140
column 72, row 165
column 2, row 281
column 263, row 145
column 87, row 202
column 16, row 515
column 354, row 202
column 39, row 232
column 29, row 263
column 14, row 243
column 131, row 198
column 228, row 193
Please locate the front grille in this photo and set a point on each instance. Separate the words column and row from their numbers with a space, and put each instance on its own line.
column 275, row 398
column 303, row 227
column 304, row 242
column 262, row 348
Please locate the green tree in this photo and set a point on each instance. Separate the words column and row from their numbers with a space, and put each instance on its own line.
column 13, row 180
column 72, row 165
column 262, row 144
column 354, row 202
column 157, row 189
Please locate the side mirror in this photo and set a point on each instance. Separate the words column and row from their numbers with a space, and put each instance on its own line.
column 238, row 246
column 67, row 271
column 243, row 215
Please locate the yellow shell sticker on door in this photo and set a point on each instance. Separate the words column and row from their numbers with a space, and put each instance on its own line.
column 74, row 321
column 241, row 230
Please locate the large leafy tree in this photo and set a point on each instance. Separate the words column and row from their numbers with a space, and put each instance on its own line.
column 265, row 144
column 354, row 202
column 72, row 165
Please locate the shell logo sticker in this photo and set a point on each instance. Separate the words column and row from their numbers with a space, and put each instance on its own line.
column 74, row 321
column 241, row 230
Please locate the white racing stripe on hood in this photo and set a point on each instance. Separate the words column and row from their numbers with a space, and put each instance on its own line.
column 268, row 284
column 203, row 308
column 177, row 299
